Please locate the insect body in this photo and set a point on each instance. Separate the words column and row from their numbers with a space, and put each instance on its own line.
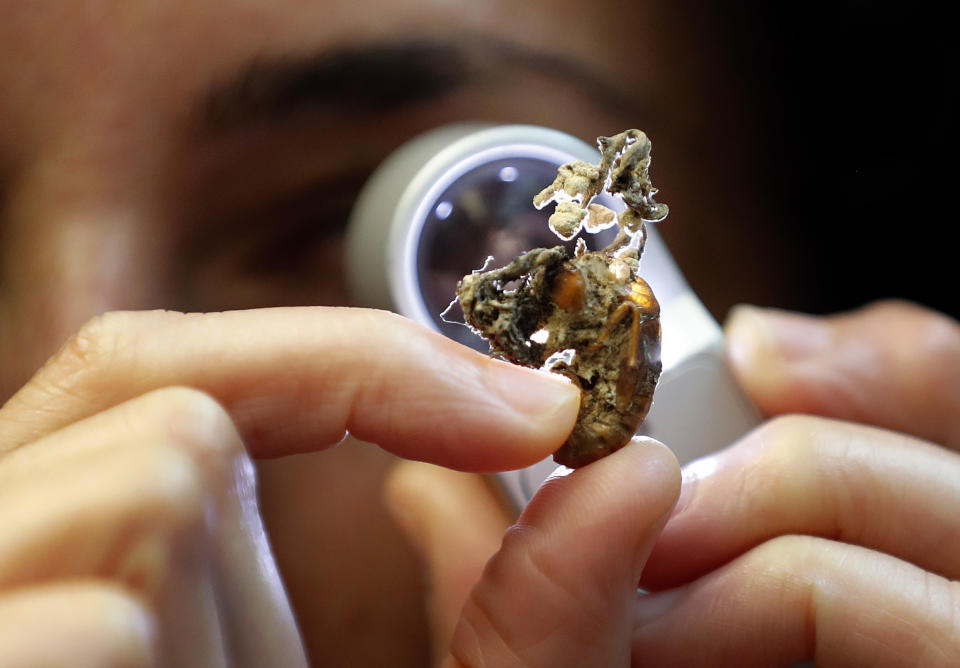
column 607, row 324
column 589, row 317
column 641, row 303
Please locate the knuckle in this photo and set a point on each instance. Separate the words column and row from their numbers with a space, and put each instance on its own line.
column 196, row 422
column 94, row 623
column 916, row 326
column 893, row 313
column 806, row 455
column 789, row 544
column 81, row 362
column 892, row 307
column 767, row 473
column 901, row 310
column 98, row 341
column 785, row 556
column 788, row 436
column 110, row 337
column 814, row 560
column 939, row 338
column 174, row 490
column 126, row 623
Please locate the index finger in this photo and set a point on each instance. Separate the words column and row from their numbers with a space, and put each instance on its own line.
column 297, row 379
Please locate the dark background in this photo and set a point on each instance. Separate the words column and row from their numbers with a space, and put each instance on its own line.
column 857, row 106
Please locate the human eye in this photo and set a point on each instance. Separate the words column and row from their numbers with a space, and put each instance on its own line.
column 287, row 239
column 285, row 250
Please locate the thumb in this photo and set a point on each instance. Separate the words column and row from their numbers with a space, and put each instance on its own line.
column 455, row 522
column 562, row 588
column 891, row 364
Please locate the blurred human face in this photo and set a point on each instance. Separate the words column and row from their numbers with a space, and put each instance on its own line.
column 203, row 156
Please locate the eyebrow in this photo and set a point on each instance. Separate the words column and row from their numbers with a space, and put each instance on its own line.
column 383, row 76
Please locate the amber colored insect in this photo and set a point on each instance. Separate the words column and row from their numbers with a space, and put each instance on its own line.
column 569, row 290
column 617, row 363
column 583, row 303
column 640, row 302
column 570, row 314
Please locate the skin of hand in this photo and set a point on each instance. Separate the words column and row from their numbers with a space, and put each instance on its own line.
column 830, row 535
column 128, row 517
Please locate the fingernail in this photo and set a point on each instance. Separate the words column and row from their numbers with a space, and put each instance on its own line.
column 761, row 340
column 534, row 393
column 691, row 475
column 651, row 607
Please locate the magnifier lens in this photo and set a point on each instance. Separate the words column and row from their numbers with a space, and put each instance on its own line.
column 446, row 201
column 486, row 212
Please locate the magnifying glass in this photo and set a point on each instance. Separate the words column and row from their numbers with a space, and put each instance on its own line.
column 444, row 203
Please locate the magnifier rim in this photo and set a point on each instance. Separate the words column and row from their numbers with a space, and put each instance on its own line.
column 440, row 172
